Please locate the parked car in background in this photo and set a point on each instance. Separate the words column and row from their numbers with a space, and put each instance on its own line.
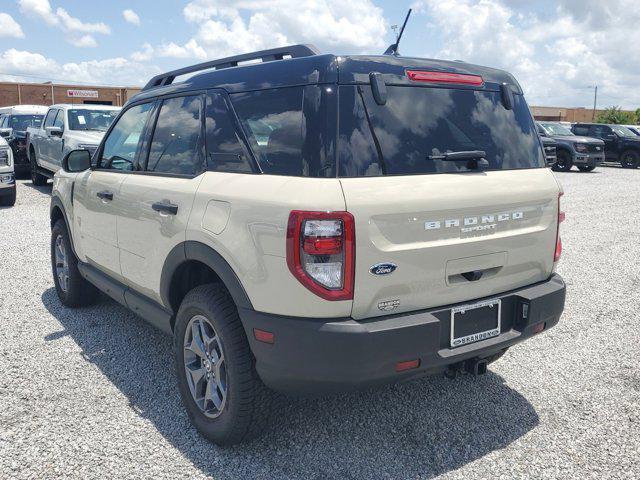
column 634, row 128
column 313, row 228
column 13, row 127
column 65, row 127
column 550, row 150
column 7, row 176
column 620, row 144
column 584, row 152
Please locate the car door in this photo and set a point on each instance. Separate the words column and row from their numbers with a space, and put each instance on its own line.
column 98, row 200
column 42, row 145
column 604, row 133
column 159, row 200
column 56, row 143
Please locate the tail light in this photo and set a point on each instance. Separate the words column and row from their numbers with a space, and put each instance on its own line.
column 321, row 252
column 444, row 77
column 558, row 252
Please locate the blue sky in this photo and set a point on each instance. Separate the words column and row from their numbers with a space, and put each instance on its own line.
column 558, row 50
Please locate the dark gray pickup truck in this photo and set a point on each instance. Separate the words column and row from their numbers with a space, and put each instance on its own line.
column 586, row 153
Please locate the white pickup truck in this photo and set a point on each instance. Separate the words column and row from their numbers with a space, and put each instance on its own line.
column 66, row 127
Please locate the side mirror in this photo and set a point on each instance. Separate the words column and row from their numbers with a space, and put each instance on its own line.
column 5, row 132
column 54, row 131
column 76, row 161
column 610, row 136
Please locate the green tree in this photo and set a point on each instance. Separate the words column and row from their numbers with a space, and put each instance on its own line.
column 616, row 115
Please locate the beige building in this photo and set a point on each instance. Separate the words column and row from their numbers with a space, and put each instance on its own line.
column 13, row 93
column 562, row 114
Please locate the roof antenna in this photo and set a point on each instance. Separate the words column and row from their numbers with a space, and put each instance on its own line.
column 393, row 48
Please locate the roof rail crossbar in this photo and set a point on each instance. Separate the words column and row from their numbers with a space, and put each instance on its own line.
column 292, row 51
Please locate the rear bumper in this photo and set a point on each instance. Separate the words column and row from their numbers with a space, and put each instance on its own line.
column 318, row 355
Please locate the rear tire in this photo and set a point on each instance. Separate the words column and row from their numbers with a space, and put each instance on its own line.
column 224, row 397
column 585, row 168
column 36, row 178
column 72, row 289
column 630, row 159
column 8, row 200
column 563, row 162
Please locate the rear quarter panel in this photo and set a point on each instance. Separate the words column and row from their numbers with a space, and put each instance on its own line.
column 244, row 218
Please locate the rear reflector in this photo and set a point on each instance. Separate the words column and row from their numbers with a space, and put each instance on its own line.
column 407, row 365
column 264, row 336
column 444, row 77
column 558, row 253
column 539, row 327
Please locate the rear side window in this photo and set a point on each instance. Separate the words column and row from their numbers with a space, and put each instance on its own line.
column 225, row 150
column 581, row 130
column 273, row 122
column 175, row 147
column 417, row 125
column 290, row 130
column 599, row 131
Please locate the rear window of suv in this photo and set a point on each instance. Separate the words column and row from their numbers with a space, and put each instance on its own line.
column 417, row 123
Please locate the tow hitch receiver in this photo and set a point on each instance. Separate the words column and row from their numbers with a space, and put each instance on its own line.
column 474, row 366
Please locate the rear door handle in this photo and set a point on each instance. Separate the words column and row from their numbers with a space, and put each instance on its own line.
column 105, row 195
column 165, row 207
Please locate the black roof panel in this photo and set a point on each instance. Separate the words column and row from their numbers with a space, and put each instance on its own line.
column 318, row 69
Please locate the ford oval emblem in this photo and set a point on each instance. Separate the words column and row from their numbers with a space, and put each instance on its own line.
column 383, row 268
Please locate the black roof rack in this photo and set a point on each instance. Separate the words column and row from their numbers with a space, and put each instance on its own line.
column 293, row 51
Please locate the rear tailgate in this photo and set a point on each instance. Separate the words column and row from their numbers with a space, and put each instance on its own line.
column 439, row 229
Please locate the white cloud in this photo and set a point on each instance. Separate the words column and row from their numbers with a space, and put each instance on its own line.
column 555, row 54
column 85, row 41
column 39, row 8
column 191, row 49
column 73, row 24
column 143, row 55
column 110, row 71
column 131, row 16
column 77, row 32
column 227, row 27
column 9, row 27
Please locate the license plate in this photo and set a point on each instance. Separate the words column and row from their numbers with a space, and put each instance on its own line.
column 475, row 322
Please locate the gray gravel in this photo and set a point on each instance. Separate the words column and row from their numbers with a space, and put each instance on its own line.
column 91, row 394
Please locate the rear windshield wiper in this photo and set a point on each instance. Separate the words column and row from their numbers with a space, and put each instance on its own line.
column 463, row 155
column 475, row 158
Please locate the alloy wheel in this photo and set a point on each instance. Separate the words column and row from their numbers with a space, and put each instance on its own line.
column 205, row 366
column 62, row 264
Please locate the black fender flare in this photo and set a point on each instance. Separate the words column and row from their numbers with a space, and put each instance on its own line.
column 56, row 203
column 197, row 251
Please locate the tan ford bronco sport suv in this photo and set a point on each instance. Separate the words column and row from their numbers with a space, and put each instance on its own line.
column 309, row 223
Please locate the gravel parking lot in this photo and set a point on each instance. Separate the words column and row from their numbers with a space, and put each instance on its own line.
column 90, row 393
